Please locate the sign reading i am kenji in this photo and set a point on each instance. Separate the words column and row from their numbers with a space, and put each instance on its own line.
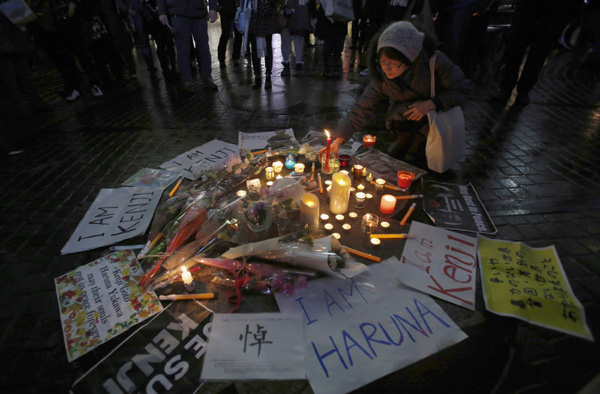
column 115, row 215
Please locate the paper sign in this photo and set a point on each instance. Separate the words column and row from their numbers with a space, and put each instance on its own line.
column 255, row 346
column 274, row 139
column 115, row 215
column 441, row 263
column 152, row 178
column 358, row 330
column 101, row 300
column 211, row 156
column 530, row 284
column 456, row 207
column 164, row 355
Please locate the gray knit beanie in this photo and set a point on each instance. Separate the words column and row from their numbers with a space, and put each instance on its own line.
column 404, row 37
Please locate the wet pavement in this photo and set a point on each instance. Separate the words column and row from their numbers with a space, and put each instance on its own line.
column 536, row 169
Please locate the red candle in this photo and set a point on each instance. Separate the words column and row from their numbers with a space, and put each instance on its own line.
column 405, row 178
column 369, row 141
column 328, row 151
column 388, row 204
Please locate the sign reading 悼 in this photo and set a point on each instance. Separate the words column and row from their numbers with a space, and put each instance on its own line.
column 357, row 331
column 441, row 263
column 115, row 215
column 211, row 156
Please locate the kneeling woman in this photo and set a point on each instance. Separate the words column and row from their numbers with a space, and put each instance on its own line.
column 400, row 73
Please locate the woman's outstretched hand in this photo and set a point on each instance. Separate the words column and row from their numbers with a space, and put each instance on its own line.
column 418, row 110
column 335, row 147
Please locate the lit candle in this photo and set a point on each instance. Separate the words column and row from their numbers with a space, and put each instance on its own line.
column 290, row 161
column 361, row 199
column 360, row 188
column 384, row 224
column 269, row 173
column 375, row 241
column 328, row 191
column 345, row 172
column 379, row 185
column 336, row 235
column 346, row 226
column 405, row 178
column 328, row 182
column 328, row 226
column 353, row 215
column 369, row 196
column 241, row 193
column 270, row 183
column 357, row 171
column 309, row 211
column 388, row 203
column 340, row 193
column 253, row 186
column 186, row 276
column 298, row 168
column 369, row 177
column 278, row 177
column 277, row 167
column 327, row 151
column 324, row 217
column 369, row 141
column 339, row 217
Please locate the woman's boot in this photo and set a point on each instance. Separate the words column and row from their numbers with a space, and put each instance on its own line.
column 257, row 81
column 268, row 81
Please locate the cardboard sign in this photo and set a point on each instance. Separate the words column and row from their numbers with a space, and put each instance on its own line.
column 530, row 284
column 209, row 157
column 358, row 330
column 101, row 300
column 441, row 263
column 165, row 355
column 115, row 215
column 274, row 139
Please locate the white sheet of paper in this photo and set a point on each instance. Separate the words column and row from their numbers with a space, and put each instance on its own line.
column 253, row 346
column 358, row 330
column 211, row 156
column 262, row 140
column 441, row 263
column 115, row 215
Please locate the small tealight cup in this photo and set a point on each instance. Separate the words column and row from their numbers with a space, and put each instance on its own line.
column 345, row 160
column 361, row 200
column 299, row 168
column 339, row 217
column 336, row 235
column 379, row 185
column 277, row 167
column 346, row 227
column 328, row 226
column 324, row 217
column 375, row 241
column 405, row 179
column 369, row 223
column 353, row 215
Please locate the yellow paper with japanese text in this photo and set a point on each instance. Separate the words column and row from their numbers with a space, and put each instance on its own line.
column 529, row 284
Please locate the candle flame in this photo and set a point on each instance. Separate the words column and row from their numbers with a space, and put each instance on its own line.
column 327, row 134
column 183, row 269
column 310, row 203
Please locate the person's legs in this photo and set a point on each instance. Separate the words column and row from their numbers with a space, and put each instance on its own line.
column 237, row 46
column 286, row 45
column 200, row 33
column 268, row 61
column 298, row 48
column 182, row 43
column 255, row 62
column 144, row 41
column 226, row 23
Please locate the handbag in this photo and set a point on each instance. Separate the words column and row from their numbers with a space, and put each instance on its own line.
column 339, row 10
column 241, row 20
column 446, row 139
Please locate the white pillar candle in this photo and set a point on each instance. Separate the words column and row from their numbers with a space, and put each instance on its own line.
column 298, row 168
column 340, row 193
column 277, row 167
column 388, row 204
column 309, row 211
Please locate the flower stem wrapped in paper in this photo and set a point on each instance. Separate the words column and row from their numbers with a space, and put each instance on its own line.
column 325, row 255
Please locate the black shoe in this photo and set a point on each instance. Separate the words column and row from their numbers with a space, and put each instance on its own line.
column 522, row 99
column 256, row 84
column 286, row 70
column 222, row 64
column 268, row 82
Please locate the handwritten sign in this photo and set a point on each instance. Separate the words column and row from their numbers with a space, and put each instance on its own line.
column 165, row 355
column 358, row 330
column 263, row 140
column 101, row 300
column 441, row 263
column 211, row 156
column 152, row 178
column 530, row 284
column 115, row 215
column 255, row 346
column 456, row 207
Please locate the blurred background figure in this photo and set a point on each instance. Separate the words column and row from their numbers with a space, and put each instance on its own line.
column 227, row 10
column 264, row 23
column 333, row 34
column 295, row 27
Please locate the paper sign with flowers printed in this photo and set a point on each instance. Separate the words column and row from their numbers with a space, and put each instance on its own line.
column 101, row 300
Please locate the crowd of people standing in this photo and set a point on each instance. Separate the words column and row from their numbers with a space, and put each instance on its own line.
column 91, row 42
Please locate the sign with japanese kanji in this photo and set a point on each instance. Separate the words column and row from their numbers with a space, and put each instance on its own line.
column 208, row 158
column 441, row 263
column 530, row 284
column 249, row 346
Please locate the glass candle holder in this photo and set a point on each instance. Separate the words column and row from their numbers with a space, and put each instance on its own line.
column 269, row 173
column 379, row 185
column 298, row 168
column 405, row 179
column 369, row 141
column 290, row 161
column 345, row 160
column 277, row 167
column 327, row 169
column 357, row 171
column 361, row 200
column 369, row 223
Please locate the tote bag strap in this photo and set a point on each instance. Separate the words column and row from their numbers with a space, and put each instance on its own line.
column 432, row 72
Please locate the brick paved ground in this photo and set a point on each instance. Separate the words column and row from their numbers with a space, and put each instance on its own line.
column 536, row 170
